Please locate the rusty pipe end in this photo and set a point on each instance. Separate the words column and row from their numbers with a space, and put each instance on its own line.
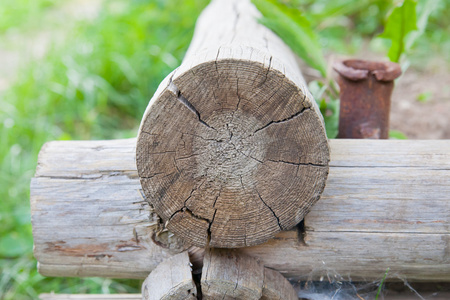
column 365, row 94
column 357, row 69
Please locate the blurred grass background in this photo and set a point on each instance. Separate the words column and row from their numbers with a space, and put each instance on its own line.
column 94, row 79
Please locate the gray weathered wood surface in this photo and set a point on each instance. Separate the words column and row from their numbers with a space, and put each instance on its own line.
column 90, row 297
column 276, row 287
column 390, row 296
column 171, row 280
column 232, row 147
column 231, row 275
column 386, row 204
column 228, row 274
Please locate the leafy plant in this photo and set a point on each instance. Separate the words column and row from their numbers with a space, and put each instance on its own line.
column 403, row 26
column 401, row 22
column 406, row 24
column 328, row 104
column 295, row 30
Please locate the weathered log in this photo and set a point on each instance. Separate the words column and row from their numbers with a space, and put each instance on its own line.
column 171, row 280
column 232, row 147
column 386, row 204
column 228, row 275
column 276, row 287
column 90, row 297
column 390, row 296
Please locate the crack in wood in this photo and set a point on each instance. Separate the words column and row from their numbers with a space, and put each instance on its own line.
column 175, row 90
column 299, row 113
column 276, row 217
column 267, row 74
column 249, row 156
column 296, row 164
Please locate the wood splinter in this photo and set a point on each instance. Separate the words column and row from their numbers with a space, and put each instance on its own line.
column 226, row 274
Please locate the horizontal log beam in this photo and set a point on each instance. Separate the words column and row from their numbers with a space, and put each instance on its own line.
column 386, row 204
column 391, row 296
column 90, row 297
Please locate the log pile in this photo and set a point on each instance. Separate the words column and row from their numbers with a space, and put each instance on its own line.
column 232, row 153
column 386, row 204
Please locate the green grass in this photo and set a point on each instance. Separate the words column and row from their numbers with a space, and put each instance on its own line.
column 380, row 287
column 96, row 85
column 16, row 14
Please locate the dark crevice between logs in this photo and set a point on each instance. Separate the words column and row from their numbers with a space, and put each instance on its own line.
column 301, row 233
column 196, row 256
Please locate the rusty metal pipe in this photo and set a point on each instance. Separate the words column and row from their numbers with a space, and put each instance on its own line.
column 366, row 89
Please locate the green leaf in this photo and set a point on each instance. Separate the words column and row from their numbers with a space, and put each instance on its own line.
column 337, row 9
column 331, row 118
column 424, row 97
column 424, row 9
column 401, row 21
column 397, row 135
column 295, row 30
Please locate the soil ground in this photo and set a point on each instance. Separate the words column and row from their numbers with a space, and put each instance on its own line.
column 422, row 120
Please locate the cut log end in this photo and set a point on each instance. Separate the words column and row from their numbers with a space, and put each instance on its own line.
column 171, row 280
column 224, row 274
column 230, row 275
column 232, row 152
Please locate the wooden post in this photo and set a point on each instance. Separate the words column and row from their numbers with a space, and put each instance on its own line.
column 386, row 204
column 232, row 147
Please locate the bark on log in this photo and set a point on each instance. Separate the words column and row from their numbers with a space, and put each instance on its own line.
column 386, row 204
column 232, row 147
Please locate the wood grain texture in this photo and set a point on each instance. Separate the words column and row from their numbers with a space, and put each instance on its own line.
column 386, row 204
column 232, row 147
column 276, row 287
column 228, row 274
column 170, row 280
column 90, row 297
column 389, row 296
